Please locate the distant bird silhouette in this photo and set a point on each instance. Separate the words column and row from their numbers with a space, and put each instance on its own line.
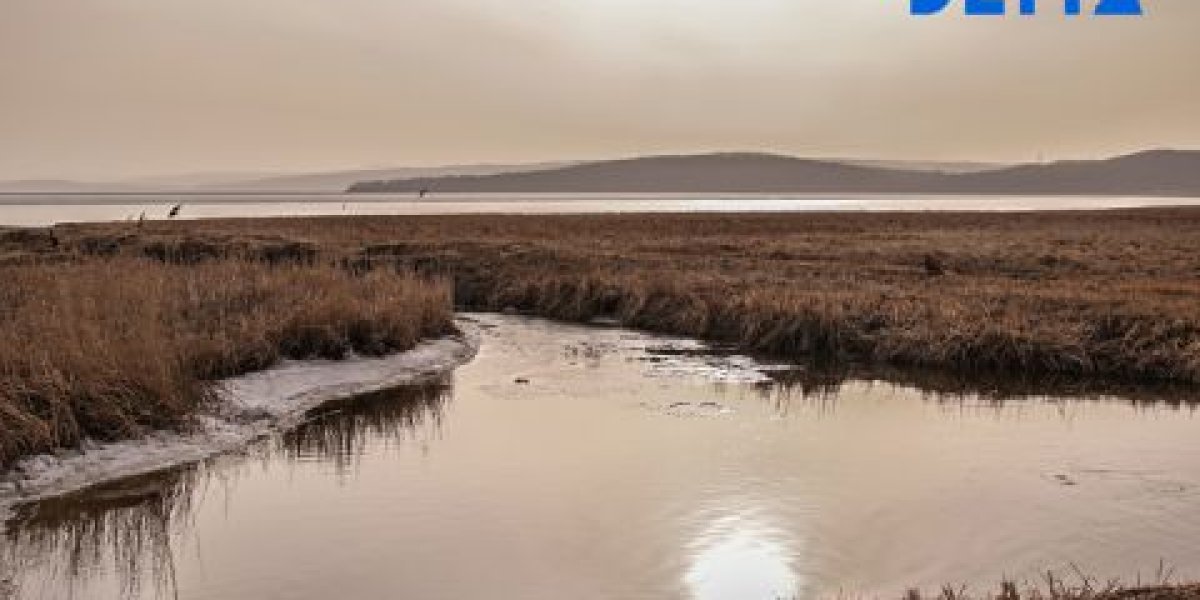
column 424, row 192
column 175, row 211
column 933, row 265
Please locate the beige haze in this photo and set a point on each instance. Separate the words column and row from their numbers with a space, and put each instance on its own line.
column 107, row 89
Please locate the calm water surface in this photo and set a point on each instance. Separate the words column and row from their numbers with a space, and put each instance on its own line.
column 46, row 209
column 590, row 463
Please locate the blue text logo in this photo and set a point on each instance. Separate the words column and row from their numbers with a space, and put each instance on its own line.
column 1030, row 7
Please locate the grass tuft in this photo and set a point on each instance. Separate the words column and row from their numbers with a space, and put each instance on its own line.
column 111, row 349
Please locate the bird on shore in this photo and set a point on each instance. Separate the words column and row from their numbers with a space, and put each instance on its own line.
column 423, row 192
column 174, row 211
column 933, row 266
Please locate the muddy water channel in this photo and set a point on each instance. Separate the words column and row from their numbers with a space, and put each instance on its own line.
column 573, row 462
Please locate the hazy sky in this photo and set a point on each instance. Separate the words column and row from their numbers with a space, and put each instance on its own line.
column 117, row 88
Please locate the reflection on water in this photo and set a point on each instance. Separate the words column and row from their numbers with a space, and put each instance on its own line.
column 126, row 528
column 742, row 555
column 46, row 209
column 341, row 432
column 601, row 463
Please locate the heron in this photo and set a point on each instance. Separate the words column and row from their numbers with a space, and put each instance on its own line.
column 174, row 211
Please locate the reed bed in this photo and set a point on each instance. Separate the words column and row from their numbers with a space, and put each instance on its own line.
column 1087, row 295
column 1104, row 295
column 1111, row 295
column 1055, row 588
column 111, row 349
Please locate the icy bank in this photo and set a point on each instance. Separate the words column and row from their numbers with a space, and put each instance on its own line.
column 254, row 405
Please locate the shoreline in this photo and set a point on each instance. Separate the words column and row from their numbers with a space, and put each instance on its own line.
column 253, row 405
column 286, row 382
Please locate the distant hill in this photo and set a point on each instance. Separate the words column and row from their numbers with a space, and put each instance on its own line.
column 338, row 181
column 730, row 172
column 921, row 165
column 281, row 183
column 1152, row 173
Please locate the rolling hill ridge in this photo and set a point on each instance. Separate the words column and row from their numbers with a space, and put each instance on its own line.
column 1150, row 173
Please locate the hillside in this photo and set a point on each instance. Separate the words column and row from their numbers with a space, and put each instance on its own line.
column 1160, row 172
column 321, row 182
column 337, row 181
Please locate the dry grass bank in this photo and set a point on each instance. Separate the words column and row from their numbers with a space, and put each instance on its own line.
column 127, row 525
column 1111, row 295
column 1106, row 294
column 109, row 349
column 1058, row 590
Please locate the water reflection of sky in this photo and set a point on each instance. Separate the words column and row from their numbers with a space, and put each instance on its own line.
column 743, row 554
column 45, row 209
column 567, row 486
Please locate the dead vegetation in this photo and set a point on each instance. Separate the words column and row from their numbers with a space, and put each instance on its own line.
column 107, row 349
column 1111, row 295
column 1054, row 587
column 135, row 315
column 126, row 525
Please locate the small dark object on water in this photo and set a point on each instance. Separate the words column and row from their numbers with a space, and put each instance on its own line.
column 422, row 193
column 1063, row 479
column 933, row 265
column 174, row 211
column 521, row 381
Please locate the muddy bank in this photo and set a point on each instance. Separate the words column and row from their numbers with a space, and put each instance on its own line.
column 252, row 406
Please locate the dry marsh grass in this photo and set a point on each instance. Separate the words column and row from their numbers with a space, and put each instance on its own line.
column 1072, row 296
column 128, row 526
column 1054, row 587
column 110, row 349
column 1107, row 294
column 1086, row 295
